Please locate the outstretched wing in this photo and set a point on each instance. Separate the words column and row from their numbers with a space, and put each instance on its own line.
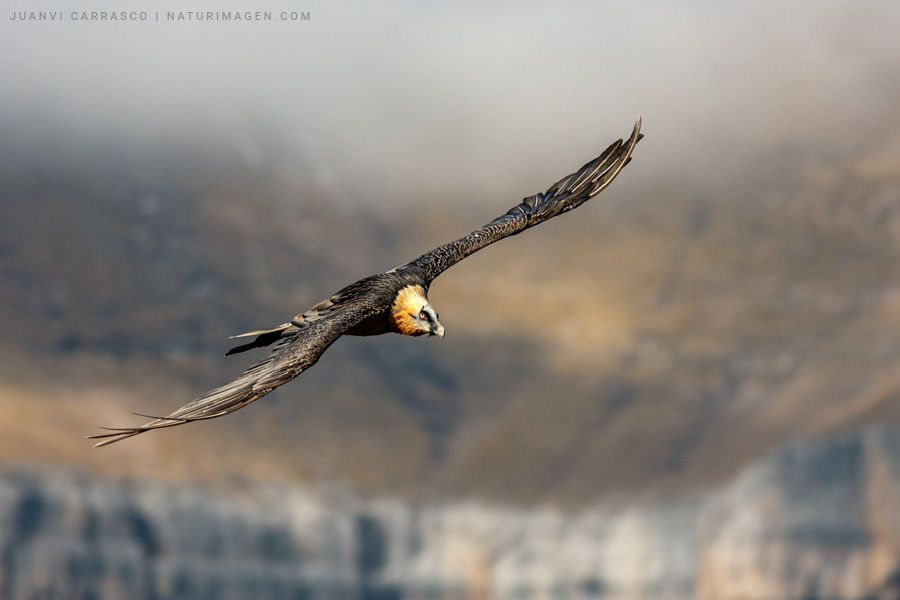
column 567, row 194
column 300, row 344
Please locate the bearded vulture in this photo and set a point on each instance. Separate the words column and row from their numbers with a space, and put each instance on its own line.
column 391, row 302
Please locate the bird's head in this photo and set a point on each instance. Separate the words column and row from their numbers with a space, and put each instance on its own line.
column 412, row 314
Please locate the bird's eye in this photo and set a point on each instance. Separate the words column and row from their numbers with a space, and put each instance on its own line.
column 423, row 316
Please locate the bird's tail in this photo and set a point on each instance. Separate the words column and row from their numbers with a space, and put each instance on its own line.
column 264, row 337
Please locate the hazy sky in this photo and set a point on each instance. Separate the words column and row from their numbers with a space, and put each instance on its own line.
column 380, row 96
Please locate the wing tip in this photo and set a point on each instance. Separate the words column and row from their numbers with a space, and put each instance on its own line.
column 111, row 438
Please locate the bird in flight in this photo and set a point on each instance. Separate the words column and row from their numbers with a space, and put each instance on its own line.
column 391, row 302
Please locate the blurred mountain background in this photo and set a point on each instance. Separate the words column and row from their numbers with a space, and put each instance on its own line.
column 734, row 293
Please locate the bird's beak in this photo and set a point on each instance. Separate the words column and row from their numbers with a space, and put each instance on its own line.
column 438, row 330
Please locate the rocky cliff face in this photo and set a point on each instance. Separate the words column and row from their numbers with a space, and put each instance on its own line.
column 817, row 519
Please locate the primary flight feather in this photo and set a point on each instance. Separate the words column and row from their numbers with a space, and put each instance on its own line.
column 396, row 301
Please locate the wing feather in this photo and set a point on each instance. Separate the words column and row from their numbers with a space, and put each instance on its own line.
column 299, row 347
column 568, row 193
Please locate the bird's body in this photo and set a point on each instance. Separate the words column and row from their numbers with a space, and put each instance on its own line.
column 391, row 302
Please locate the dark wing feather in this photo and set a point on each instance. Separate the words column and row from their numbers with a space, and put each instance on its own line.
column 299, row 347
column 567, row 194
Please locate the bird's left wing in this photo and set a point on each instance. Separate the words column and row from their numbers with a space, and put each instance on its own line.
column 568, row 193
column 301, row 344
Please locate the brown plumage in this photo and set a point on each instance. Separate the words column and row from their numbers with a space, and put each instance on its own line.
column 392, row 302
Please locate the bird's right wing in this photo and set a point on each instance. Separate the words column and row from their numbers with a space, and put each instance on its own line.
column 299, row 346
column 568, row 193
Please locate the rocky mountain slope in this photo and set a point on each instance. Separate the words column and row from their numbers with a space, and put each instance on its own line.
column 813, row 520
